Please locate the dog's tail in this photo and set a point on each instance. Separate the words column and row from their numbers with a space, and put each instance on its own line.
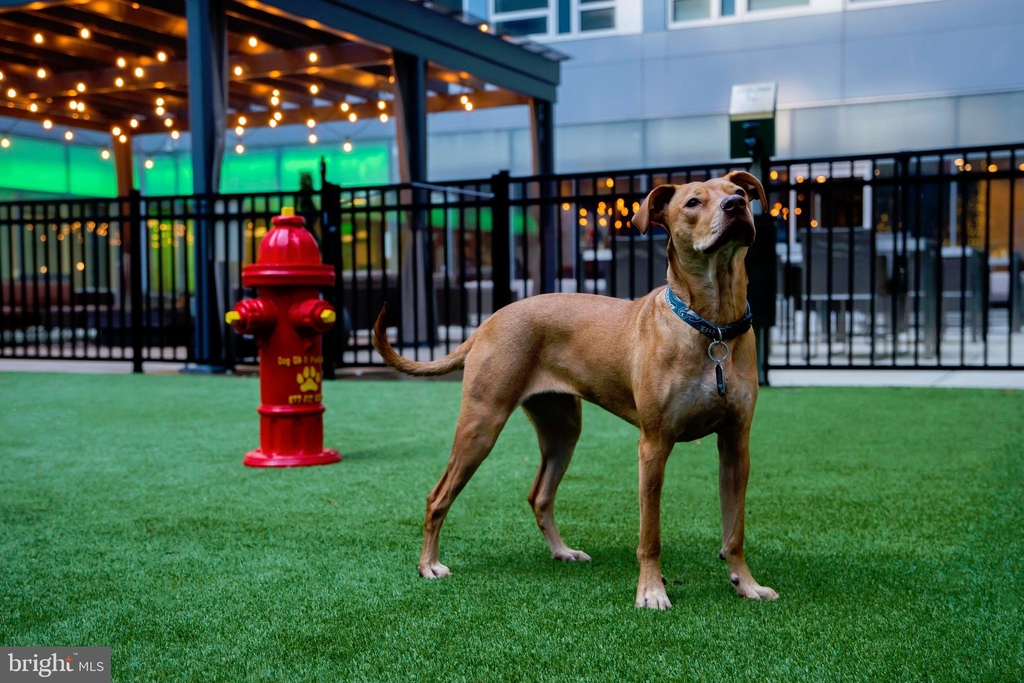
column 450, row 363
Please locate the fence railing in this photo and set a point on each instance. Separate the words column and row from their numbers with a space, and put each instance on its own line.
column 910, row 260
column 900, row 260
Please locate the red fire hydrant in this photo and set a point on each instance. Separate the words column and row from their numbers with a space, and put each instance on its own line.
column 287, row 319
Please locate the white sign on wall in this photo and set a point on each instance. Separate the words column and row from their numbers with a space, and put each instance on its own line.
column 753, row 101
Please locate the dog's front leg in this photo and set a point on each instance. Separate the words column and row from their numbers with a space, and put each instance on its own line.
column 733, row 470
column 650, row 591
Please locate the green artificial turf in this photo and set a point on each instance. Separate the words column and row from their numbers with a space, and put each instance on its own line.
column 890, row 521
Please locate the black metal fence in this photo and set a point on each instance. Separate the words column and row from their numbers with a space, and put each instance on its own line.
column 900, row 260
column 908, row 260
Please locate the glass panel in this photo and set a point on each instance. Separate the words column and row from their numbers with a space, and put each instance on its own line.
column 728, row 8
column 516, row 5
column 91, row 176
column 597, row 19
column 756, row 5
column 687, row 10
column 522, row 27
column 564, row 16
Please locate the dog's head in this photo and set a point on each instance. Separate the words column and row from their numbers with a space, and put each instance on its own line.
column 704, row 217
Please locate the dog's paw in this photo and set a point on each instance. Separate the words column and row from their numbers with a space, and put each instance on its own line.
column 654, row 597
column 753, row 591
column 434, row 571
column 570, row 555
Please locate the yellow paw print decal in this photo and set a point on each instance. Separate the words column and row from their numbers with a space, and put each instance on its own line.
column 308, row 379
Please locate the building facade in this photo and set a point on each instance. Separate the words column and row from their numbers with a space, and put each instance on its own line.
column 648, row 81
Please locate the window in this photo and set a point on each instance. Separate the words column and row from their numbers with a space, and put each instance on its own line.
column 552, row 18
column 684, row 12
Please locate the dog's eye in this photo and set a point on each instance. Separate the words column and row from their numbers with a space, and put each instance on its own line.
column 693, row 202
column 740, row 191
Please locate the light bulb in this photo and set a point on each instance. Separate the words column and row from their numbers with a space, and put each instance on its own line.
column 253, row 41
column 312, row 138
column 85, row 33
column 105, row 154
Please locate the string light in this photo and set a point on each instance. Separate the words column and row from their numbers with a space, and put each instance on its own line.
column 159, row 111
column 276, row 92
column 115, row 131
column 238, row 70
column 159, row 101
column 347, row 146
column 352, row 117
column 134, row 123
column 175, row 134
column 68, row 135
column 239, row 148
column 241, row 120
column 11, row 93
column 73, row 105
column 80, row 87
column 85, row 33
column 38, row 38
column 5, row 143
column 1, row 75
column 47, row 124
column 277, row 116
column 469, row 106
column 119, row 82
column 239, row 130
column 273, row 123
column 383, row 118
column 313, row 57
column 485, row 28
column 41, row 73
column 105, row 154
column 312, row 138
column 253, row 41
column 275, row 100
column 310, row 123
column 33, row 107
column 122, row 138
column 168, row 122
column 381, row 104
column 314, row 89
column 464, row 99
column 344, row 106
column 121, row 62
column 149, row 163
column 139, row 72
column 161, row 56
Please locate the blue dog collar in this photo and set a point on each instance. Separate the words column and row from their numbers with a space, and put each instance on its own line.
column 715, row 332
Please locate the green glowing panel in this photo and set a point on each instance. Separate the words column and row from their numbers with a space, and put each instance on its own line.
column 361, row 166
column 91, row 175
column 162, row 179
column 35, row 165
column 249, row 172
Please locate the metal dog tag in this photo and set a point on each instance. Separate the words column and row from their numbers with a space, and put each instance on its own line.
column 719, row 373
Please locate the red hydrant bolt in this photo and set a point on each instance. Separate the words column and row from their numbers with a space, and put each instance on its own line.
column 287, row 319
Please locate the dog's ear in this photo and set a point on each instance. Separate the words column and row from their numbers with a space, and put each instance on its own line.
column 750, row 184
column 653, row 208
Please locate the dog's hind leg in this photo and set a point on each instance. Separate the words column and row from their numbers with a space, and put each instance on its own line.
column 477, row 430
column 558, row 420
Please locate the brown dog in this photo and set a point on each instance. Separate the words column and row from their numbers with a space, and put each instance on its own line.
column 636, row 359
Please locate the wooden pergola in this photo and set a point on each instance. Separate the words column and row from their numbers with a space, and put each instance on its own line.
column 209, row 66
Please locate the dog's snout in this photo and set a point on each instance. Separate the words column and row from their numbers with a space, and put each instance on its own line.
column 734, row 204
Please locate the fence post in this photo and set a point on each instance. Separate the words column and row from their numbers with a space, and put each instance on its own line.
column 501, row 241
column 137, row 235
column 762, row 271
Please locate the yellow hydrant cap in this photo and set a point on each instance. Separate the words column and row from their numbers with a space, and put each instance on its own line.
column 232, row 317
column 287, row 210
column 328, row 316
